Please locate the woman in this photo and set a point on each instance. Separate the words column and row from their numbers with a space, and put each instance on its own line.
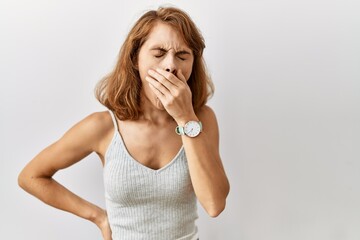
column 158, row 140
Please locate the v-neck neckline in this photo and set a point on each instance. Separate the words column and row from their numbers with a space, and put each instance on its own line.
column 117, row 132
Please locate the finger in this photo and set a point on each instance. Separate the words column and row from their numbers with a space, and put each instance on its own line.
column 157, row 93
column 156, row 84
column 170, row 76
column 161, row 78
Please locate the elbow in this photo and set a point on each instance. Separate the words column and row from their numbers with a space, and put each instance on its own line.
column 25, row 180
column 22, row 180
column 217, row 205
column 29, row 179
column 215, row 209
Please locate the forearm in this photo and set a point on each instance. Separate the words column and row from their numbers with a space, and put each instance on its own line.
column 207, row 175
column 54, row 194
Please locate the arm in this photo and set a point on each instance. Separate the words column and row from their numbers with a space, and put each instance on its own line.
column 208, row 177
column 78, row 142
column 207, row 173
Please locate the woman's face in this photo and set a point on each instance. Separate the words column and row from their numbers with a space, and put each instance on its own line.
column 164, row 49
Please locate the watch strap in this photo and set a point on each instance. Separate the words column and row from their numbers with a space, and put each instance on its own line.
column 179, row 130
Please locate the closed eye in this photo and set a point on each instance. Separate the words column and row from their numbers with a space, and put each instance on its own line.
column 160, row 52
column 181, row 55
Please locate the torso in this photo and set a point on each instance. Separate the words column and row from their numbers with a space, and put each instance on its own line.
column 145, row 203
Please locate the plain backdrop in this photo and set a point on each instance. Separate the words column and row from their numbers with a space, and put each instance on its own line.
column 287, row 77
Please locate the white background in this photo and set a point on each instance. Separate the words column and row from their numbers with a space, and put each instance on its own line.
column 287, row 77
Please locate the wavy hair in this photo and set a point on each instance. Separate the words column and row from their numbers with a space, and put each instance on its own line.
column 119, row 90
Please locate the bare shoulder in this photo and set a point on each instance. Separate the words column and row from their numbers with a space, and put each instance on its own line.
column 98, row 126
column 207, row 115
column 206, row 109
column 99, row 119
column 208, row 119
column 102, row 126
column 99, row 122
column 93, row 126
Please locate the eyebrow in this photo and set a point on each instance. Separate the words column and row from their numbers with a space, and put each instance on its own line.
column 164, row 50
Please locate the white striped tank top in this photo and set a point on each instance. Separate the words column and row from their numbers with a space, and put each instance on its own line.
column 143, row 203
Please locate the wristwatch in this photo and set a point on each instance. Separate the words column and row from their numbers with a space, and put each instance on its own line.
column 191, row 129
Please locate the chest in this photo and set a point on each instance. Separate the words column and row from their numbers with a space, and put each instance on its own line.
column 152, row 147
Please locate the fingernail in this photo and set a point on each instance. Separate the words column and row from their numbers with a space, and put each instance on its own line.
column 150, row 71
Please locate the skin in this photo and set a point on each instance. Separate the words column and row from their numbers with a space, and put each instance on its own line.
column 165, row 64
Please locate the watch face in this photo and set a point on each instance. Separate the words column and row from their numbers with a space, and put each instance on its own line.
column 192, row 128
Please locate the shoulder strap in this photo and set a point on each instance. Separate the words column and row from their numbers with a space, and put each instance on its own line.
column 113, row 119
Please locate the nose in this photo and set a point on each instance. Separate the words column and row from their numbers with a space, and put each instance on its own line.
column 173, row 71
column 169, row 64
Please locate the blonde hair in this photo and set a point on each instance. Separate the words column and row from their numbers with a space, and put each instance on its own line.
column 120, row 90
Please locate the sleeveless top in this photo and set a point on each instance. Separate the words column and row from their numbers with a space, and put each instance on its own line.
column 143, row 203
